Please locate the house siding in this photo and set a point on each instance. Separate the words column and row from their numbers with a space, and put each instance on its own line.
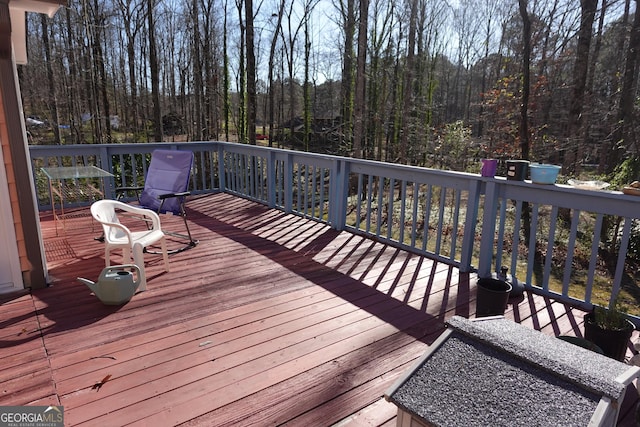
column 25, row 265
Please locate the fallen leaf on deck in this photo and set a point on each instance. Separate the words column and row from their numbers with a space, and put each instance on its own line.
column 99, row 384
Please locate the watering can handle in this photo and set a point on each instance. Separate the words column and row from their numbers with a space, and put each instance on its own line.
column 126, row 267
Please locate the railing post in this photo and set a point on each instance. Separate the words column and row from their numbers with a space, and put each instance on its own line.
column 271, row 179
column 221, row 168
column 338, row 194
column 106, row 163
column 288, row 183
column 489, row 215
column 471, row 226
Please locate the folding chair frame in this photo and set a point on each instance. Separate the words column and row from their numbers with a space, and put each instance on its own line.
column 162, row 198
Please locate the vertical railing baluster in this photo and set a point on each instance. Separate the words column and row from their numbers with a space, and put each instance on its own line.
column 222, row 168
column 359, row 202
column 550, row 243
column 571, row 246
column 515, row 250
column 456, row 222
column 369, row 201
column 306, row 190
column 380, row 204
column 443, row 201
column 414, row 213
column 323, row 178
column 427, row 217
column 622, row 254
column 532, row 244
column 288, row 183
column 272, row 179
column 403, row 199
column 390, row 207
column 593, row 261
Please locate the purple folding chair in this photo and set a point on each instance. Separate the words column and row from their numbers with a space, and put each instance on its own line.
column 165, row 188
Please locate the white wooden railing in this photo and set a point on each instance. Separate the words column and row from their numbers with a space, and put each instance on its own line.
column 460, row 218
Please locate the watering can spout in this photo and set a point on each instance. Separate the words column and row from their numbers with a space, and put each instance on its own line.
column 89, row 283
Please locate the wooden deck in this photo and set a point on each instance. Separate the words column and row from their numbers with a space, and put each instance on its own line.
column 271, row 320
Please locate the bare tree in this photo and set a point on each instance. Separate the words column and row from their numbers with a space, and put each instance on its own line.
column 378, row 83
column 226, row 83
column 624, row 123
column 272, row 52
column 53, row 99
column 408, row 81
column 348, row 22
column 132, row 16
column 580, row 71
column 526, row 79
column 360, row 95
column 155, row 73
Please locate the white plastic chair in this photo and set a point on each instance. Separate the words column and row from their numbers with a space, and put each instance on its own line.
column 118, row 236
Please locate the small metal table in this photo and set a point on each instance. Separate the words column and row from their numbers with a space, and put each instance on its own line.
column 71, row 183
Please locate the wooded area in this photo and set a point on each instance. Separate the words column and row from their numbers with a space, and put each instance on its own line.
column 433, row 83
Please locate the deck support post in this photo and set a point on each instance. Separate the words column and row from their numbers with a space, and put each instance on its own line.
column 271, row 179
column 489, row 215
column 288, row 183
column 470, row 227
column 221, row 168
column 338, row 195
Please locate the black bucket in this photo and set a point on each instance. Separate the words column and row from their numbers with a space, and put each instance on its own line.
column 492, row 297
column 517, row 170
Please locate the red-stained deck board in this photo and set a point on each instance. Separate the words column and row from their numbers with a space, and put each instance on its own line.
column 271, row 319
column 28, row 388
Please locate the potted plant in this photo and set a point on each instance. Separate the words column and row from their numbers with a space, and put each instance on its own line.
column 609, row 329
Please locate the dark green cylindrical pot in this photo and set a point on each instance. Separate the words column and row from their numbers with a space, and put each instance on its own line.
column 517, row 170
column 613, row 342
column 492, row 297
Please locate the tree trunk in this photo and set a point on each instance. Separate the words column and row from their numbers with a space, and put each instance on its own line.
column 526, row 78
column 75, row 91
column 524, row 108
column 306, row 96
column 623, row 134
column 347, row 73
column 53, row 99
column 252, row 99
column 360, row 95
column 407, row 100
column 197, row 71
column 98, row 57
column 588, row 96
column 155, row 74
column 580, row 70
column 226, row 105
column 272, row 52
column 609, row 158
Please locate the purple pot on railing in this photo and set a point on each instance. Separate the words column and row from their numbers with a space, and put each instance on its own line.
column 489, row 167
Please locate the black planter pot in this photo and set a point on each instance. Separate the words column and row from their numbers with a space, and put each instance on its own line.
column 492, row 297
column 517, row 170
column 612, row 342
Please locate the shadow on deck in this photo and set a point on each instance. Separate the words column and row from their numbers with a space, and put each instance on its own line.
column 271, row 319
